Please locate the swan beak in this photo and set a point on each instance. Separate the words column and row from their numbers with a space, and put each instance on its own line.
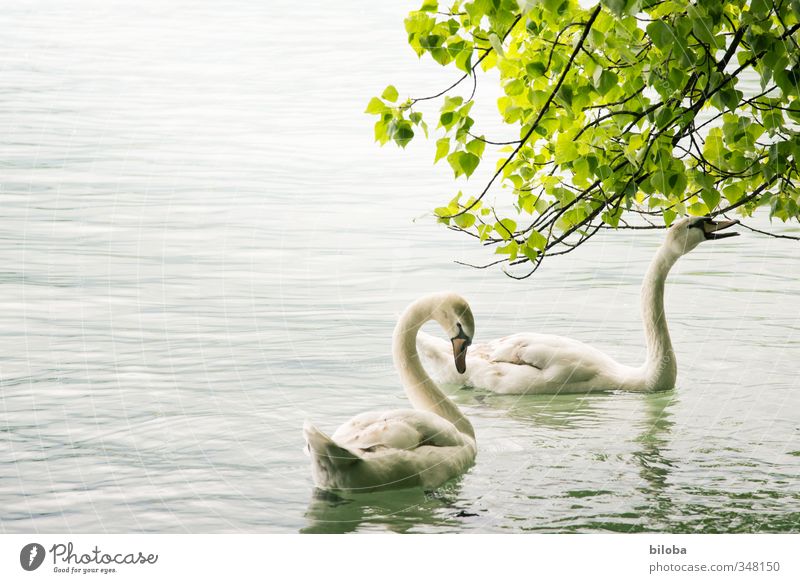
column 711, row 229
column 460, row 345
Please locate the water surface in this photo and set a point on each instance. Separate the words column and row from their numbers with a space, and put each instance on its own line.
column 200, row 247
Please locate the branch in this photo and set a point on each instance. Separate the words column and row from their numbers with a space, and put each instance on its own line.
column 471, row 71
column 620, row 102
column 753, row 195
column 695, row 108
column 485, row 266
column 485, row 141
column 556, row 43
column 545, row 107
column 768, row 234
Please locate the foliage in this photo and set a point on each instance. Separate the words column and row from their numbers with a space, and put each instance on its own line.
column 623, row 114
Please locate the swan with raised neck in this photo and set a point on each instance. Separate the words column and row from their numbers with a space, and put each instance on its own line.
column 529, row 363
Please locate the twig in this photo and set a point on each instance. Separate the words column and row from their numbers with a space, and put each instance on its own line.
column 545, row 107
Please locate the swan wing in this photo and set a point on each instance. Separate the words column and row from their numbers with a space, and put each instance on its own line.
column 398, row 429
column 559, row 358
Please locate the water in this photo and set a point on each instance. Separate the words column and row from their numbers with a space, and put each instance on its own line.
column 200, row 247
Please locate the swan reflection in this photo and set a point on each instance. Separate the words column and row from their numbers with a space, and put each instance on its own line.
column 398, row 511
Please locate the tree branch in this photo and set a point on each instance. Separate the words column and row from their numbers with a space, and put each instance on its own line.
column 545, row 107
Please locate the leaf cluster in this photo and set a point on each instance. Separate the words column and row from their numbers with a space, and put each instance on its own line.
column 625, row 114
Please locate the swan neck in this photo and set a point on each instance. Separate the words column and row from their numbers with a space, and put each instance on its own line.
column 661, row 366
column 420, row 389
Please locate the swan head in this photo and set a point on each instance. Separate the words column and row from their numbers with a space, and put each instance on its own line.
column 453, row 314
column 688, row 233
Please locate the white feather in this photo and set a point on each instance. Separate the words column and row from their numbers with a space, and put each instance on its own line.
column 420, row 447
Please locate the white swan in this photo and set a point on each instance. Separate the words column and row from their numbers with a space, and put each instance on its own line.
column 530, row 363
column 420, row 447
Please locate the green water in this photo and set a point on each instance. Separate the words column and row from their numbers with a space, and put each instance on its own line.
column 201, row 247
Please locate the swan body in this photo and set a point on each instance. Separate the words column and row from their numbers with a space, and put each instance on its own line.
column 421, row 447
column 530, row 363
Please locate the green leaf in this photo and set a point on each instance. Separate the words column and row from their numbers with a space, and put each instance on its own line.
column 511, row 250
column 505, row 228
column 714, row 147
column 442, row 149
column 432, row 41
column 606, row 82
column 537, row 240
column 484, row 231
column 494, row 40
column 454, row 160
column 468, row 162
column 429, row 6
column 476, row 147
column 535, row 69
column 622, row 8
column 702, row 26
column 710, row 197
column 464, row 221
column 529, row 252
column 772, row 120
column 612, row 218
column 464, row 61
column 759, row 8
column 660, row 180
column 677, row 183
column 604, row 172
column 564, row 96
column 452, row 103
column 563, row 195
column 381, row 133
column 446, row 211
column 390, row 94
column 448, row 119
column 698, row 209
column 566, row 149
column 557, row 7
column 376, row 106
column 789, row 81
column 403, row 134
column 662, row 35
column 731, row 97
column 515, row 87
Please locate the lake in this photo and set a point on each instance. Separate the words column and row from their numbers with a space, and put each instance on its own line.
column 201, row 246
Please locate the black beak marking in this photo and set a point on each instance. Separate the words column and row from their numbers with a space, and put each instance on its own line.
column 460, row 344
column 711, row 229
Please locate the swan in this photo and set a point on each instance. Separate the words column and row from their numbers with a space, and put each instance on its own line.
column 531, row 363
column 420, row 447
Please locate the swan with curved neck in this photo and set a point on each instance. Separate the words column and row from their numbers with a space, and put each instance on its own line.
column 420, row 447
column 530, row 363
